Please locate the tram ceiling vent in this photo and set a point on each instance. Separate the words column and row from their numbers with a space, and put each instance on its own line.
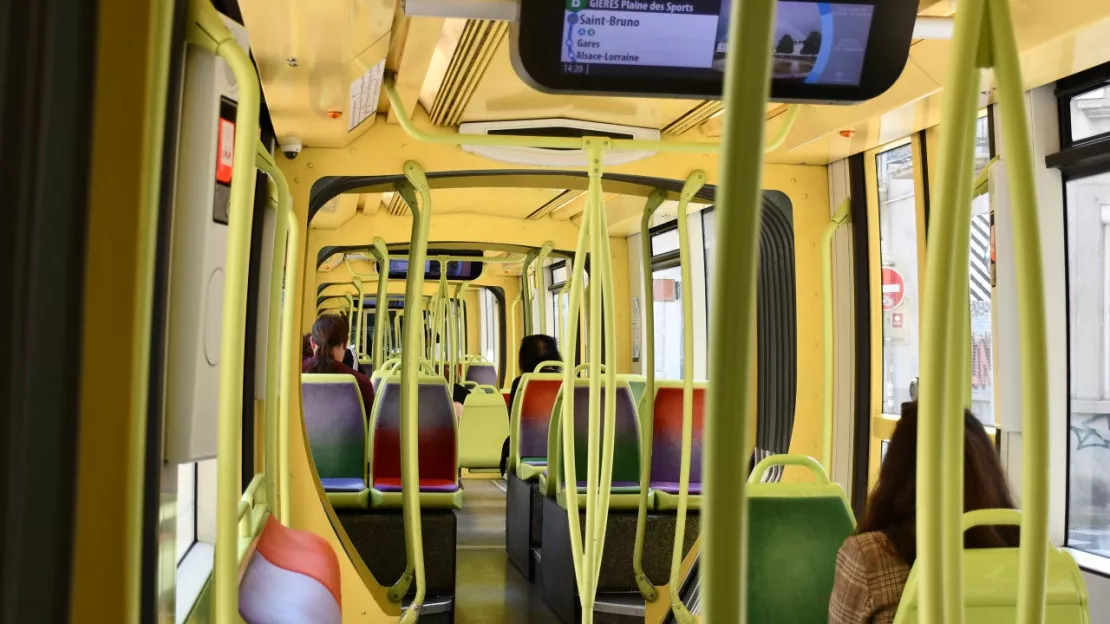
column 561, row 128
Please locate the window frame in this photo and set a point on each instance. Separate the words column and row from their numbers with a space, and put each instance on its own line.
column 1076, row 160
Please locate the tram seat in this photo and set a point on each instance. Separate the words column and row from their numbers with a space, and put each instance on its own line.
column 626, row 448
column 666, row 445
column 795, row 531
column 483, row 427
column 437, row 446
column 481, row 373
column 291, row 577
column 528, row 428
column 991, row 581
column 335, row 421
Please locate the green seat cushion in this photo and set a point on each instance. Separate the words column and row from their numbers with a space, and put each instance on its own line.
column 428, row 500
column 793, row 542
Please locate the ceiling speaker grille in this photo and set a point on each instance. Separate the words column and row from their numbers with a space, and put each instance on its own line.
column 479, row 40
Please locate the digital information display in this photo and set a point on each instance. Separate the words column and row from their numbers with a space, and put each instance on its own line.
column 814, row 43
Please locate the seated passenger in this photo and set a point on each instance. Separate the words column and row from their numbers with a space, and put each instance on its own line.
column 873, row 565
column 534, row 350
column 329, row 343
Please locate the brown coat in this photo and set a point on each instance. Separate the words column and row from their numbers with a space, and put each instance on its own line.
column 870, row 576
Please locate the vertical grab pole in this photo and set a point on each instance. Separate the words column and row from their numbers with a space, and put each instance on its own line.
column 725, row 514
column 828, row 374
column 360, row 320
column 940, row 543
column 278, row 269
column 290, row 355
column 647, row 402
column 209, row 32
column 381, row 315
column 596, row 148
column 410, row 426
column 693, row 184
column 526, row 294
column 545, row 251
column 1034, row 343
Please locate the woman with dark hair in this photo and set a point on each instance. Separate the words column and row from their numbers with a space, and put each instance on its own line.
column 534, row 350
column 329, row 342
column 872, row 565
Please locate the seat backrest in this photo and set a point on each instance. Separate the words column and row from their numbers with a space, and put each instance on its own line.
column 535, row 397
column 292, row 576
column 666, row 436
column 335, row 421
column 438, row 442
column 795, row 531
column 481, row 373
column 991, row 582
column 483, row 427
column 626, row 441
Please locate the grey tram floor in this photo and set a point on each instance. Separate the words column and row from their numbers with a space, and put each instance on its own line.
column 488, row 589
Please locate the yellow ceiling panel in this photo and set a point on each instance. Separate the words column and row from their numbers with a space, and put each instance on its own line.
column 506, row 202
column 308, row 54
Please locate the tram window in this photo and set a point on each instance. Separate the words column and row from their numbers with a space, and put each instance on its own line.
column 667, row 301
column 898, row 246
column 665, row 242
column 980, row 288
column 488, row 334
column 1088, row 245
column 1089, row 113
column 709, row 239
column 186, row 508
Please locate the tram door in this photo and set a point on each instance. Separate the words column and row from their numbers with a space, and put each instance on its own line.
column 896, row 176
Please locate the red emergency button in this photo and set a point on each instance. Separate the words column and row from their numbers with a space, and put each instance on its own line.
column 226, row 151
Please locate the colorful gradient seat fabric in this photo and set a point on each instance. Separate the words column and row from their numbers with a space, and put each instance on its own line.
column 291, row 578
column 482, row 373
column 532, row 417
column 666, row 443
column 626, row 445
column 437, row 445
column 336, row 426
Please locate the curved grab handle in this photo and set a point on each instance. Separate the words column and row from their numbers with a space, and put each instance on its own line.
column 991, row 517
column 548, row 363
column 789, row 460
column 584, row 365
column 392, row 365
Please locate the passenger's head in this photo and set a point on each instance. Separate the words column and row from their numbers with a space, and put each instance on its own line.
column 329, row 340
column 892, row 507
column 536, row 349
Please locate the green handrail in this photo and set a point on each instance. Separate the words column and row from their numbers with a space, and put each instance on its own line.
column 360, row 319
column 265, row 163
column 983, row 38
column 690, row 188
column 828, row 373
column 819, row 474
column 381, row 254
column 209, row 32
column 514, row 342
column 526, row 293
column 724, row 564
column 647, row 404
column 570, row 332
column 410, row 426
